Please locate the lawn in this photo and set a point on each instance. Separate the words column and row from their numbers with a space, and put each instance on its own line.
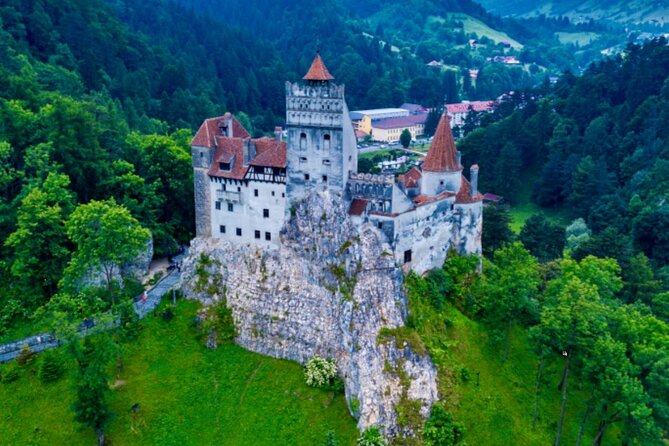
column 496, row 404
column 522, row 206
column 187, row 395
column 472, row 25
column 580, row 39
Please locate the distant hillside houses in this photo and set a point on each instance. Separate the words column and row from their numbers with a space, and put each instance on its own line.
column 387, row 124
column 457, row 113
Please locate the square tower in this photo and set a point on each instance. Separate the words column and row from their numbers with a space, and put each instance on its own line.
column 321, row 140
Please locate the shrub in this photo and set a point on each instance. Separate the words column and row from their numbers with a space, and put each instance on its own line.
column 51, row 368
column 330, row 439
column 11, row 375
column 371, row 437
column 320, row 372
column 167, row 315
column 25, row 357
column 440, row 429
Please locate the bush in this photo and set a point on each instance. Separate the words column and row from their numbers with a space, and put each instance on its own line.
column 371, row 437
column 330, row 439
column 320, row 372
column 11, row 375
column 25, row 357
column 51, row 368
column 440, row 429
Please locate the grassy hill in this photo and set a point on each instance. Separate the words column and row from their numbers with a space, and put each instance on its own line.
column 187, row 395
column 476, row 26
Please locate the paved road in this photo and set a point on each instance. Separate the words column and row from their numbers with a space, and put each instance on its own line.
column 44, row 341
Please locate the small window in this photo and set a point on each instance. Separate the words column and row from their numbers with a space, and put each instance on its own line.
column 265, row 213
column 325, row 178
column 222, row 229
column 283, row 195
column 224, row 166
column 303, row 159
column 306, row 177
column 303, row 141
column 326, row 142
column 255, row 192
column 326, row 162
column 273, row 193
column 407, row 256
column 441, row 183
column 379, row 225
column 218, row 205
column 239, row 232
column 231, row 207
column 224, row 187
column 257, row 234
column 201, row 154
column 268, row 236
column 239, row 189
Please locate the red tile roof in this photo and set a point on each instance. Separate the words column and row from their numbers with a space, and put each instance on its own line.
column 420, row 200
column 358, row 206
column 441, row 156
column 272, row 154
column 464, row 107
column 210, row 128
column 318, row 71
column 227, row 149
column 464, row 195
column 412, row 176
column 400, row 121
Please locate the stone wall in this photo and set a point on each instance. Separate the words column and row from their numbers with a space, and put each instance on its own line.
column 327, row 290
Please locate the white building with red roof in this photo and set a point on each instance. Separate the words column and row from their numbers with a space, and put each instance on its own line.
column 245, row 187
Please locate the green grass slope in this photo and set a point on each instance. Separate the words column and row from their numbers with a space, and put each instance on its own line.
column 188, row 395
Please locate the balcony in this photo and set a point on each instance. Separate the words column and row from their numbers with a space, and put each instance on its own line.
column 229, row 196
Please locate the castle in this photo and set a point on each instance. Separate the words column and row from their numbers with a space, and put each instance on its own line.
column 245, row 188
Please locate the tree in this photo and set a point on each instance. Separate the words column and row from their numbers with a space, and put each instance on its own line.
column 511, row 285
column 440, row 429
column 431, row 122
column 575, row 315
column 544, row 239
column 577, row 233
column 92, row 390
column 497, row 228
column 330, row 439
column 405, row 138
column 107, row 237
column 507, row 171
column 39, row 242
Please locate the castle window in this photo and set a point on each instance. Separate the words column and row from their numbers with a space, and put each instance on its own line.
column 231, row 207
column 306, row 177
column 224, row 166
column 273, row 193
column 303, row 141
column 326, row 142
column 325, row 178
column 255, row 192
column 239, row 232
column 224, row 187
column 303, row 159
column 239, row 189
column 407, row 256
column 268, row 236
column 283, row 195
column 379, row 225
column 218, row 205
column 222, row 229
column 257, row 235
column 326, row 162
column 441, row 183
column 201, row 154
column 265, row 213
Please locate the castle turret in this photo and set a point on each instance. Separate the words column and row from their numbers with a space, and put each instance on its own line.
column 321, row 140
column 441, row 170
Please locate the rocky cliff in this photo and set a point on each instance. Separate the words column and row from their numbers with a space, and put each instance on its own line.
column 328, row 290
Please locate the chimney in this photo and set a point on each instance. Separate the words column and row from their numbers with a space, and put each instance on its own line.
column 474, row 179
column 458, row 158
column 228, row 124
column 277, row 133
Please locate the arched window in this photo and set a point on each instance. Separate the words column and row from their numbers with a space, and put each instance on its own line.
column 303, row 141
column 326, row 142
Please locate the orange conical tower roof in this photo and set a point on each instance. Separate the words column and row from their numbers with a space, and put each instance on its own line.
column 318, row 71
column 441, row 156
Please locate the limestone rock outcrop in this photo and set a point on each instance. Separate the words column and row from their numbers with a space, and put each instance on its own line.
column 328, row 290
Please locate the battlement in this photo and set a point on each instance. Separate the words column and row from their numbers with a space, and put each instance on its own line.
column 325, row 90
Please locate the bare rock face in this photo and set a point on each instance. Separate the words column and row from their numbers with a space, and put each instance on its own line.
column 327, row 290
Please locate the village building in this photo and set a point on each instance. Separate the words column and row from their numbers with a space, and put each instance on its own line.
column 245, row 187
column 458, row 112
